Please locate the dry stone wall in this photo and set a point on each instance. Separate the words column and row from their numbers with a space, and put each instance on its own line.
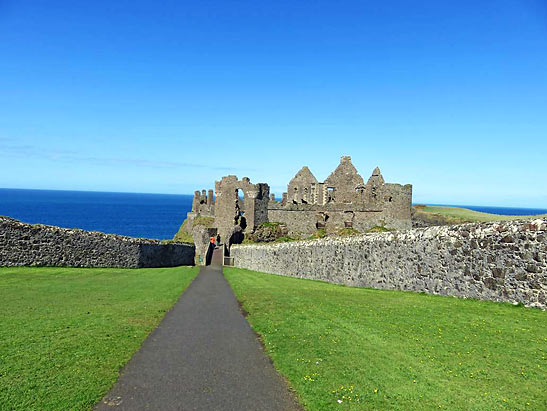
column 502, row 261
column 24, row 244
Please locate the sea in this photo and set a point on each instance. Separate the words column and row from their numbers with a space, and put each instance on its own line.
column 156, row 216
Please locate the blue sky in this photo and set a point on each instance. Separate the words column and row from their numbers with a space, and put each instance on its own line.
column 166, row 97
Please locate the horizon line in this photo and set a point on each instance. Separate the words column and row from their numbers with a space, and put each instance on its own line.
column 277, row 198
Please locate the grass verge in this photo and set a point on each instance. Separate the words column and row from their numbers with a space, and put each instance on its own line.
column 354, row 348
column 66, row 332
column 456, row 215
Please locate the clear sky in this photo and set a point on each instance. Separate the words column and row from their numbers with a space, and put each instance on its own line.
column 167, row 96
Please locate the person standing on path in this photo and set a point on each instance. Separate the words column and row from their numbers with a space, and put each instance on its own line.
column 209, row 255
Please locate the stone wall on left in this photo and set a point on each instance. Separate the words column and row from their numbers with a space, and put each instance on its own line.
column 24, row 244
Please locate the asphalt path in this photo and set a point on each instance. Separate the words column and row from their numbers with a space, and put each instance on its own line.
column 203, row 356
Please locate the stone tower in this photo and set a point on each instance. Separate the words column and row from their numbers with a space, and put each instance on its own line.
column 240, row 206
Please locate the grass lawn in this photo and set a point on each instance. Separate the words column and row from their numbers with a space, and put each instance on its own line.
column 375, row 349
column 455, row 215
column 66, row 332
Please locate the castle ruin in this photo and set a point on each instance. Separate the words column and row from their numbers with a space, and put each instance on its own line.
column 343, row 200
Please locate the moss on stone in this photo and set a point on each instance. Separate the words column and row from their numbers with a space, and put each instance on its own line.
column 270, row 224
column 285, row 239
column 378, row 229
column 282, row 239
column 348, row 232
column 320, row 233
column 204, row 221
column 182, row 235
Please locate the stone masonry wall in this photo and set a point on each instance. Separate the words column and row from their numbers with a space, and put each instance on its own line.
column 301, row 219
column 501, row 261
column 23, row 244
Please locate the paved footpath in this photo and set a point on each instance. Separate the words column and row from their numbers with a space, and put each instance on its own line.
column 203, row 356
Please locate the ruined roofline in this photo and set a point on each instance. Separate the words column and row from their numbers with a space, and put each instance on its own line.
column 232, row 178
column 376, row 178
column 398, row 185
column 345, row 167
column 304, row 175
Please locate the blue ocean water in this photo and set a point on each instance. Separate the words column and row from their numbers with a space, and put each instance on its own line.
column 137, row 215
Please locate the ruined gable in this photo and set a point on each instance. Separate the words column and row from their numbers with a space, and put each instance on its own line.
column 304, row 176
column 344, row 181
column 376, row 178
column 302, row 188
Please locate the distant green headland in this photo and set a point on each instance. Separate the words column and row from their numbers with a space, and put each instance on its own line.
column 424, row 215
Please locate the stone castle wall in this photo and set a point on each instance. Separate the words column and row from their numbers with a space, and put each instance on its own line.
column 343, row 200
column 302, row 219
column 298, row 220
column 24, row 244
column 502, row 261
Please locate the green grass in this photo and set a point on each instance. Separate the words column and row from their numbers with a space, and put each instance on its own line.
column 66, row 332
column 319, row 233
column 204, row 221
column 378, row 229
column 284, row 239
column 273, row 224
column 376, row 349
column 455, row 215
column 182, row 235
column 348, row 232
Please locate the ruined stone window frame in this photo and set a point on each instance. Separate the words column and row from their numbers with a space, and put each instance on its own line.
column 240, row 200
column 331, row 194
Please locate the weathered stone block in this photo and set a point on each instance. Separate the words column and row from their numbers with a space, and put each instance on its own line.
column 498, row 272
column 532, row 268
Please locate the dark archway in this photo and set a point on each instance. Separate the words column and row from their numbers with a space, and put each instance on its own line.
column 209, row 254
